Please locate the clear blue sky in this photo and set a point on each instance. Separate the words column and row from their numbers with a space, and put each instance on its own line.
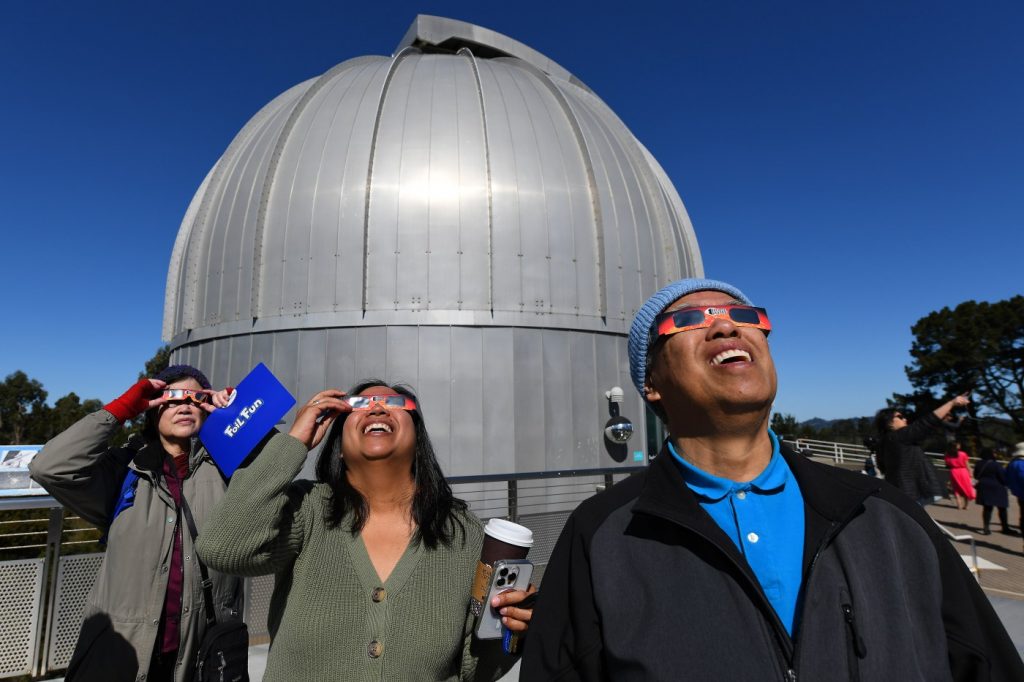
column 851, row 166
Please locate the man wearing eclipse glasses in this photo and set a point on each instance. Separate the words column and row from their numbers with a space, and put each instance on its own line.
column 734, row 558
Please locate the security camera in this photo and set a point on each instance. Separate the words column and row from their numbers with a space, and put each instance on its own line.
column 618, row 430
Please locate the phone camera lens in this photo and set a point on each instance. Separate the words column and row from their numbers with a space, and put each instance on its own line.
column 512, row 577
column 501, row 582
column 503, row 572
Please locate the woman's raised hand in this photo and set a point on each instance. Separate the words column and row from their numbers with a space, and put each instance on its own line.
column 317, row 415
column 218, row 399
column 144, row 394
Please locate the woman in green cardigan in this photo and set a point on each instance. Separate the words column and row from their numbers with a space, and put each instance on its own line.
column 374, row 561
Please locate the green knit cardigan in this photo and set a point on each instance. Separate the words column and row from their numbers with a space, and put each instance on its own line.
column 331, row 618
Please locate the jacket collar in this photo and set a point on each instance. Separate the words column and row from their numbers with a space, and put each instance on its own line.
column 829, row 500
column 149, row 456
column 665, row 495
column 825, row 490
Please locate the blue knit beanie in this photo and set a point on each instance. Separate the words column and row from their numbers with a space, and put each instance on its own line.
column 639, row 333
column 176, row 372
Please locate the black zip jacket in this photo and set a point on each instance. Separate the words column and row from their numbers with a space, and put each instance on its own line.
column 644, row 585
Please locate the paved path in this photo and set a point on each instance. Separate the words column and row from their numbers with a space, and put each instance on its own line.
column 1002, row 550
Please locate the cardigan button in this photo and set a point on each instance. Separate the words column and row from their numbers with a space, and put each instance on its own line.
column 375, row 649
column 379, row 594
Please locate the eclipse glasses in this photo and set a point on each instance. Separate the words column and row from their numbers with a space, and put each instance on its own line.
column 186, row 394
column 390, row 401
column 685, row 319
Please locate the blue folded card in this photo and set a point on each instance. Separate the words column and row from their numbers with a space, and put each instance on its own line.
column 257, row 405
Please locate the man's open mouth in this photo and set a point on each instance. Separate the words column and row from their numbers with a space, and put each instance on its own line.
column 729, row 356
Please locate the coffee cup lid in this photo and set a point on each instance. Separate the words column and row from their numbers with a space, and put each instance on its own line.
column 509, row 532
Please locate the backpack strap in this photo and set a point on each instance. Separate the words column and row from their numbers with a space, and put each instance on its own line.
column 125, row 499
column 211, row 614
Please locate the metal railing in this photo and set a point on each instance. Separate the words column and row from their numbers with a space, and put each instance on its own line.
column 30, row 562
column 49, row 559
column 840, row 453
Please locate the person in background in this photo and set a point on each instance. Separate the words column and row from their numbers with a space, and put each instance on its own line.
column 991, row 478
column 871, row 461
column 959, row 475
column 900, row 456
column 1015, row 482
column 731, row 557
column 374, row 561
column 146, row 614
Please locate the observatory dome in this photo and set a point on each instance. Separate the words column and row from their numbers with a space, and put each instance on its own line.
column 465, row 216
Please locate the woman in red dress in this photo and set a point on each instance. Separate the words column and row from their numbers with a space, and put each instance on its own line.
column 959, row 474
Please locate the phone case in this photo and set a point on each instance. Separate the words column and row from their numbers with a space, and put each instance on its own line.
column 508, row 575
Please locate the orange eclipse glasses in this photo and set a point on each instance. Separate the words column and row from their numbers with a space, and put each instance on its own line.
column 180, row 395
column 685, row 319
column 392, row 402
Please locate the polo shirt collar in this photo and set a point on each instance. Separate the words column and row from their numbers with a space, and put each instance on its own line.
column 714, row 488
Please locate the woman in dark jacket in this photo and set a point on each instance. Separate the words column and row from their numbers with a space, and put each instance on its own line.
column 991, row 489
column 901, row 458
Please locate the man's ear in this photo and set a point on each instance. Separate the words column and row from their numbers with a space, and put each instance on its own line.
column 650, row 392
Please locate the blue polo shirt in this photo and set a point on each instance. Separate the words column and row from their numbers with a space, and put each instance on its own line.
column 765, row 519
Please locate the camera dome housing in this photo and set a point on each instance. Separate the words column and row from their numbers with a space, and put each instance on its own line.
column 618, row 430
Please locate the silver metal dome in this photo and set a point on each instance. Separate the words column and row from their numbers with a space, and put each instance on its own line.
column 465, row 216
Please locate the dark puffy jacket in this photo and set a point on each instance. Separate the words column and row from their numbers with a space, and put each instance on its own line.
column 644, row 585
column 904, row 463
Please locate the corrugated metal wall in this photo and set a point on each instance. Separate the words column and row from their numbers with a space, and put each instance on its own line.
column 494, row 400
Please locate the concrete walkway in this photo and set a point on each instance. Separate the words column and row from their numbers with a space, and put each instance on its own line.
column 1002, row 558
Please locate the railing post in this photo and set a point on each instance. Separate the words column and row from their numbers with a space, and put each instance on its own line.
column 513, row 501
column 47, row 601
column 609, row 481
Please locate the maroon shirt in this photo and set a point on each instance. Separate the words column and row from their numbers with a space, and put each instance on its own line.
column 169, row 635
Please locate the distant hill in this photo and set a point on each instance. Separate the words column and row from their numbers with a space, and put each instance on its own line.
column 849, row 430
column 817, row 423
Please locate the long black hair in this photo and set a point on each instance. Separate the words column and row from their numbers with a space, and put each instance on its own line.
column 434, row 506
column 883, row 420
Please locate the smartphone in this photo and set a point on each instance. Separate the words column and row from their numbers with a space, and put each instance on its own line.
column 509, row 574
